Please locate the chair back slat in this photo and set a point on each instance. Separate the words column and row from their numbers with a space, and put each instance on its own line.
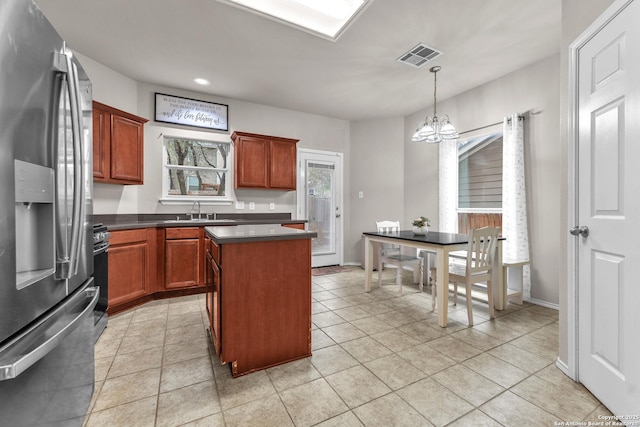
column 482, row 244
column 389, row 227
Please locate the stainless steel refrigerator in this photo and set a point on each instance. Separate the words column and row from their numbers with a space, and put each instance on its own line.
column 46, row 244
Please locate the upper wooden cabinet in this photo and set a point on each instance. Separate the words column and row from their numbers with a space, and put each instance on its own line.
column 118, row 145
column 263, row 161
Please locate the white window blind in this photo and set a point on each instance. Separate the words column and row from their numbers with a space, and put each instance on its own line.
column 195, row 169
column 480, row 173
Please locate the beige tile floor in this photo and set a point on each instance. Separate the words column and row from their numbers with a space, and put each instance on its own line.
column 379, row 359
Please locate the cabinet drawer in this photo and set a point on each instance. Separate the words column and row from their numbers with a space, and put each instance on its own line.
column 128, row 236
column 182, row 233
column 216, row 252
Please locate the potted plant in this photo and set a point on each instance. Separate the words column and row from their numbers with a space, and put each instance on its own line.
column 420, row 225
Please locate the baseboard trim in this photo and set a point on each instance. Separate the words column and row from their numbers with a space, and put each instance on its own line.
column 564, row 368
column 543, row 303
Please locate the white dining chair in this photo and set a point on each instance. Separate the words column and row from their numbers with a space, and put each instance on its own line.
column 476, row 267
column 392, row 254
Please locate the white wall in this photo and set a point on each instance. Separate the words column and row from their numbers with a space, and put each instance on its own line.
column 376, row 169
column 112, row 88
column 109, row 86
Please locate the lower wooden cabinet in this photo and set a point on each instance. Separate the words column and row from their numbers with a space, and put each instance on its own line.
column 213, row 276
column 184, row 257
column 132, row 266
column 152, row 263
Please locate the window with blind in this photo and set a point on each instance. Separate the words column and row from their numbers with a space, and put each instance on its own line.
column 195, row 170
column 480, row 173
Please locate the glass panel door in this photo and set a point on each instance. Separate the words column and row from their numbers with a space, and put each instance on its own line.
column 319, row 202
column 321, row 206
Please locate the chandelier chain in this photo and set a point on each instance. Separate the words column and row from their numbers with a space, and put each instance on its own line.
column 435, row 88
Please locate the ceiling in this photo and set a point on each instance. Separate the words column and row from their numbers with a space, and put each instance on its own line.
column 252, row 58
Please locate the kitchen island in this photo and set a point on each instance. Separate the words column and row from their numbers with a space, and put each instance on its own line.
column 258, row 281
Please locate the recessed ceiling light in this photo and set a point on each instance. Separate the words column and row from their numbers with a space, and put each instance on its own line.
column 327, row 18
column 201, row 81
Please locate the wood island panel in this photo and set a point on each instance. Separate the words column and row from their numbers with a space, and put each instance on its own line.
column 265, row 292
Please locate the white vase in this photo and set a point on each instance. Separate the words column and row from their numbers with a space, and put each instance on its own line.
column 421, row 231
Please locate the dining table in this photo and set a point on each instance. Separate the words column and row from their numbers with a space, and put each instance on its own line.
column 441, row 244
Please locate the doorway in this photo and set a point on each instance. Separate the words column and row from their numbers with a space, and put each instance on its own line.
column 320, row 203
column 604, row 255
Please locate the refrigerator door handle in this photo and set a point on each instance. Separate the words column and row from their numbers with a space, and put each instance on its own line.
column 35, row 343
column 68, row 267
column 78, row 188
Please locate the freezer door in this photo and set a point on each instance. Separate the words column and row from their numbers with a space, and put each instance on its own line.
column 47, row 372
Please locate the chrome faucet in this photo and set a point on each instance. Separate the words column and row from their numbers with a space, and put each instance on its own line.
column 195, row 208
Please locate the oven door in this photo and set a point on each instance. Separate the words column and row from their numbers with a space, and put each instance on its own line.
column 101, row 278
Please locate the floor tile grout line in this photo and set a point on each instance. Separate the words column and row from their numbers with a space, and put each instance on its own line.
column 412, row 304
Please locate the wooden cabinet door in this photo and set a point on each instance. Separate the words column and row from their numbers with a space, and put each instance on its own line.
column 182, row 263
column 251, row 162
column 128, row 276
column 208, row 279
column 101, row 144
column 263, row 161
column 127, row 153
column 118, row 145
column 216, row 306
column 129, row 266
column 282, row 165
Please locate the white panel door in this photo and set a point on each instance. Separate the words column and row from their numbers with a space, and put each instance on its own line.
column 608, row 171
column 320, row 203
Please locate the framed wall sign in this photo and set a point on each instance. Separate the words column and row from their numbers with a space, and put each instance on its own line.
column 191, row 112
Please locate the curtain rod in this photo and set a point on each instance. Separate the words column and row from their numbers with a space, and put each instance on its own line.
column 488, row 126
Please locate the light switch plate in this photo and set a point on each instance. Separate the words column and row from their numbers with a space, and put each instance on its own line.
column 252, row 206
column 272, row 206
column 239, row 204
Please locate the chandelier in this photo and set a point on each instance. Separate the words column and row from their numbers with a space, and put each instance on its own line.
column 435, row 129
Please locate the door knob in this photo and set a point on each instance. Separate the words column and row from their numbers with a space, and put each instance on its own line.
column 580, row 231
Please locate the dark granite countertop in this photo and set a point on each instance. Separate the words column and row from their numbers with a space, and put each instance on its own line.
column 134, row 221
column 256, row 233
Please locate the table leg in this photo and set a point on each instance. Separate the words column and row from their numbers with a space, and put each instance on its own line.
column 442, row 283
column 368, row 263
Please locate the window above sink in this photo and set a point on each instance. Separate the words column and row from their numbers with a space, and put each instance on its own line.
column 195, row 170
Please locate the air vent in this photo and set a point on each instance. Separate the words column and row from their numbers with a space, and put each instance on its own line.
column 419, row 55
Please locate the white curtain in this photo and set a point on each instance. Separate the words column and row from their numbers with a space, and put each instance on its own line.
column 514, row 198
column 448, row 187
